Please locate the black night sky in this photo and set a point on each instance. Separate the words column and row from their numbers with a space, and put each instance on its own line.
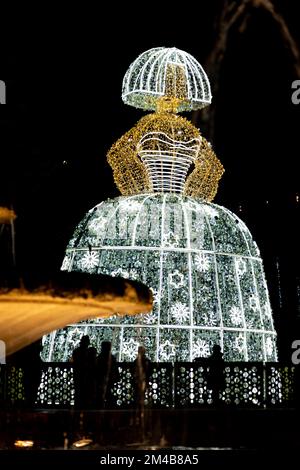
column 64, row 111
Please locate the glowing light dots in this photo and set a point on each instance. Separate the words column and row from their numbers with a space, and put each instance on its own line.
column 90, row 260
column 180, row 312
column 148, row 158
column 199, row 259
column 213, row 290
column 201, row 349
column 164, row 72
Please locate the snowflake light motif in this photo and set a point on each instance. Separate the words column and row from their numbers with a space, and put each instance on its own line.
column 202, row 263
column 200, row 348
column 180, row 312
column 254, row 302
column 239, row 343
column 166, row 350
column 170, row 240
column 176, row 279
column 269, row 346
column 130, row 349
column 149, row 318
column 241, row 266
column 74, row 337
column 236, row 315
column 90, row 260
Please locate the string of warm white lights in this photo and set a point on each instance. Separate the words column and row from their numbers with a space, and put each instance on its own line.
column 167, row 160
column 168, row 145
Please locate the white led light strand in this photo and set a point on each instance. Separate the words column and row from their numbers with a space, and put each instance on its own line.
column 147, row 78
column 167, row 160
column 166, row 261
column 198, row 259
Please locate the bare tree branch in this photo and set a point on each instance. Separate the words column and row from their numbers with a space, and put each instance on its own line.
column 230, row 16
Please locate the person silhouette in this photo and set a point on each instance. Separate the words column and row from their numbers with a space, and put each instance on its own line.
column 81, row 359
column 141, row 376
column 91, row 385
column 215, row 376
column 107, row 375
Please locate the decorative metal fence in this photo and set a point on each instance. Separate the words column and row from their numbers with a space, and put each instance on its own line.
column 159, row 393
column 182, row 385
column 243, row 385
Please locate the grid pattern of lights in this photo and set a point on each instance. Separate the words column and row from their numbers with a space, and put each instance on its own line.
column 166, row 72
column 204, row 270
column 167, row 160
column 199, row 259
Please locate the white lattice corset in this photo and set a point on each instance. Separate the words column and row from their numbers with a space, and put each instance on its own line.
column 167, row 160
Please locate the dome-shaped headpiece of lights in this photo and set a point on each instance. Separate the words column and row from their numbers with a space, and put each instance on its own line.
column 166, row 73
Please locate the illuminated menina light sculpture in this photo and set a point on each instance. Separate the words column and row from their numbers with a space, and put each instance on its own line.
column 198, row 258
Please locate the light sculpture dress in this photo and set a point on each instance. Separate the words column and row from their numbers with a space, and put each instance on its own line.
column 198, row 258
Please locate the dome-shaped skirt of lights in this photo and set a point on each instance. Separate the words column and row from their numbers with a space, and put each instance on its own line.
column 162, row 72
column 204, row 270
